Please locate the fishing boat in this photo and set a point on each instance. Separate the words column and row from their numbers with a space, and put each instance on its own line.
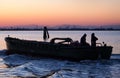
column 60, row 50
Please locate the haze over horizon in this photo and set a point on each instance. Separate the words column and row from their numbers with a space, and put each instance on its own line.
column 57, row 12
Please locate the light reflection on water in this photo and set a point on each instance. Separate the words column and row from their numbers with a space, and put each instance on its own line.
column 2, row 65
column 110, row 37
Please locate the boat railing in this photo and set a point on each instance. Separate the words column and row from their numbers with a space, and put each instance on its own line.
column 63, row 40
column 101, row 44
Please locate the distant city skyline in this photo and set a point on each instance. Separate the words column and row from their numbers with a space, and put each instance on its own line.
column 58, row 12
column 65, row 26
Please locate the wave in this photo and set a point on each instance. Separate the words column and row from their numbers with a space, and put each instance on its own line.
column 26, row 66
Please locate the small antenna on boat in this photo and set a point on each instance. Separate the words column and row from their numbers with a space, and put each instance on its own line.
column 8, row 35
column 104, row 44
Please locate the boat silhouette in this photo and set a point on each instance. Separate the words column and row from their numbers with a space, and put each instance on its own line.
column 57, row 50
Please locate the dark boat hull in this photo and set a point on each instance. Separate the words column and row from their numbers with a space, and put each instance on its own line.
column 63, row 51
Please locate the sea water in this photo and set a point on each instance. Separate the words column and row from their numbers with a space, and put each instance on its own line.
column 19, row 66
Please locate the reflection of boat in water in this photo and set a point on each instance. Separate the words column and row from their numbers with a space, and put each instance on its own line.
column 58, row 50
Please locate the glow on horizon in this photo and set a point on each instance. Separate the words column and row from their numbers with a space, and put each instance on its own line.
column 56, row 12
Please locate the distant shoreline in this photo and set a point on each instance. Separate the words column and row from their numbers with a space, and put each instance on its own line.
column 60, row 29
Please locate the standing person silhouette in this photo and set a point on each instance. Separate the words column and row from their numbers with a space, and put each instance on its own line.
column 93, row 39
column 45, row 34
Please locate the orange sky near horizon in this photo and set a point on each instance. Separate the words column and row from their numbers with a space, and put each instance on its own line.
column 57, row 12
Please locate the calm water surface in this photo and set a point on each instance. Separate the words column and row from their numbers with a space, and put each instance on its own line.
column 111, row 38
column 20, row 66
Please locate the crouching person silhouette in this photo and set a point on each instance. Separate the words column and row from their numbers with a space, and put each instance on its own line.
column 83, row 41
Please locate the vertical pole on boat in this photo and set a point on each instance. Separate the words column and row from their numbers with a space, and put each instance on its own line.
column 45, row 34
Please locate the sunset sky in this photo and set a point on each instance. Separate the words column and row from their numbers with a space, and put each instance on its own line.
column 57, row 12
